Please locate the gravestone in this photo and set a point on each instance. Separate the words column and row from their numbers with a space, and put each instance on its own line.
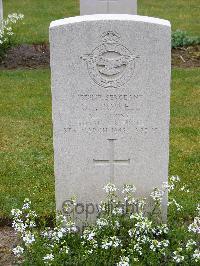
column 1, row 10
column 88, row 7
column 110, row 96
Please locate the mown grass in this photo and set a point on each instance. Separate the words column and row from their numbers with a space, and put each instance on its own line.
column 26, row 138
column 185, row 133
column 183, row 15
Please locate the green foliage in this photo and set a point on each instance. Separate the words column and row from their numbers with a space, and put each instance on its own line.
column 181, row 38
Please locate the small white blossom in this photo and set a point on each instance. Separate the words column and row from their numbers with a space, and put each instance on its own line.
column 196, row 255
column 174, row 179
column 88, row 235
column 28, row 238
column 198, row 209
column 177, row 257
column 16, row 212
column 184, row 189
column 111, row 242
column 65, row 249
column 128, row 189
column 48, row 258
column 124, row 261
column 190, row 244
column 157, row 195
column 110, row 188
column 117, row 224
column 177, row 205
column 168, row 186
column 18, row 251
column 117, row 210
column 102, row 222
column 195, row 226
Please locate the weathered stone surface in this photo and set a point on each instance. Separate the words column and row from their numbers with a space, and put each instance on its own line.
column 1, row 10
column 89, row 7
column 111, row 95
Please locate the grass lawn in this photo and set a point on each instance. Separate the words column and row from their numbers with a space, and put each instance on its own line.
column 183, row 15
column 26, row 138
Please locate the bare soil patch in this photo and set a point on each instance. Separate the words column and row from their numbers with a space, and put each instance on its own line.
column 26, row 56
column 37, row 56
column 8, row 240
column 186, row 57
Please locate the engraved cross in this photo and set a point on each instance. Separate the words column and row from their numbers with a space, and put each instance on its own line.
column 108, row 4
column 112, row 162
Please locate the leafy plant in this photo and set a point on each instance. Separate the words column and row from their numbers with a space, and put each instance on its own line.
column 180, row 39
column 120, row 236
column 6, row 31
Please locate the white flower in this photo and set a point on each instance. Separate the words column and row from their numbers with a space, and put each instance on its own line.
column 167, row 186
column 155, row 244
column 18, row 251
column 117, row 210
column 111, row 242
column 117, row 224
column 128, row 189
column 174, row 179
column 109, row 188
column 159, row 230
column 177, row 205
column 196, row 255
column 124, row 261
column 16, row 212
column 195, row 226
column 165, row 243
column 105, row 244
column 198, row 209
column 32, row 224
column 101, row 222
column 138, row 248
column 183, row 188
column 71, row 227
column 116, row 242
column 88, row 235
column 177, row 257
column 91, row 236
column 48, row 258
column 28, row 238
column 61, row 219
column 19, row 226
column 190, row 244
column 65, row 249
column 27, row 201
column 90, row 251
column 157, row 195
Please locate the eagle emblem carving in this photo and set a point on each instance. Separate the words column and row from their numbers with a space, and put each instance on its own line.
column 110, row 64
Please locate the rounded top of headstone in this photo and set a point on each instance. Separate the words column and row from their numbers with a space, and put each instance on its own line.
column 114, row 17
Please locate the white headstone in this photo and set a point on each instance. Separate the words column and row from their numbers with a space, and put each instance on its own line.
column 1, row 10
column 111, row 95
column 89, row 7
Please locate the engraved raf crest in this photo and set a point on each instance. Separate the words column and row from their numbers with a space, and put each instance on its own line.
column 110, row 64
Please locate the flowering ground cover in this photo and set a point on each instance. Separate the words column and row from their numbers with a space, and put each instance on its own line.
column 120, row 236
column 183, row 15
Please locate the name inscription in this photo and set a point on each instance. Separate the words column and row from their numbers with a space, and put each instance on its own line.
column 108, row 113
column 109, row 102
